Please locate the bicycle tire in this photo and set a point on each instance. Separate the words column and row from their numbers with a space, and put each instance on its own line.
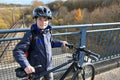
column 87, row 73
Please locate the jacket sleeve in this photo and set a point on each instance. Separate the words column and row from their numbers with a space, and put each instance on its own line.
column 56, row 43
column 21, row 48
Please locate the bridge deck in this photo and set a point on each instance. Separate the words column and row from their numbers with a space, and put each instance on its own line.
column 109, row 75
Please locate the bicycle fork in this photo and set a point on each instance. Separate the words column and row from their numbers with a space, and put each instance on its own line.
column 79, row 72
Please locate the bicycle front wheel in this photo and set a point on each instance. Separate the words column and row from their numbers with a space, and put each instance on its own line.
column 87, row 73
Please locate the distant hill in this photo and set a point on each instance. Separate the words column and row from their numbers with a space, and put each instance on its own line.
column 12, row 5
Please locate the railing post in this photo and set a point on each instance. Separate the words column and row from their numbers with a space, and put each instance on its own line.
column 82, row 37
column 82, row 43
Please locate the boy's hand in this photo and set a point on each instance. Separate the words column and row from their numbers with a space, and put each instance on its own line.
column 29, row 69
column 64, row 43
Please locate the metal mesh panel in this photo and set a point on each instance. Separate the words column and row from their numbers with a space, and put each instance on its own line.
column 105, row 43
column 7, row 63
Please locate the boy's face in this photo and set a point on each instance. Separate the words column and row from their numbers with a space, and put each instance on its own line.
column 42, row 22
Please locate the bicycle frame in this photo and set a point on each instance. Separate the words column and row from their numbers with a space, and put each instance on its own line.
column 76, row 63
column 56, row 68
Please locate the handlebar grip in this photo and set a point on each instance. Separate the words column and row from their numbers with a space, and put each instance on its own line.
column 69, row 46
column 20, row 73
column 94, row 54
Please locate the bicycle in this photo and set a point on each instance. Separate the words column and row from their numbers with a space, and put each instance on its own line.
column 79, row 68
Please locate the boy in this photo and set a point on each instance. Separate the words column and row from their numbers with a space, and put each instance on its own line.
column 40, row 53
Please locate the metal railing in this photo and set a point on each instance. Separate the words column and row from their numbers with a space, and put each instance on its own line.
column 102, row 38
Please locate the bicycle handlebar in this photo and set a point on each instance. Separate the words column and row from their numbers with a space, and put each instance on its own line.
column 91, row 53
column 88, row 52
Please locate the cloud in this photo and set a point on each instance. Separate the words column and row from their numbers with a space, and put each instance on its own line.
column 27, row 2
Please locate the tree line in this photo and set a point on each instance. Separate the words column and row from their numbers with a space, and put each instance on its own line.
column 91, row 11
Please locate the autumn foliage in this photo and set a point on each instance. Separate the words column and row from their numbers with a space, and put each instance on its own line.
column 86, row 11
column 8, row 17
column 78, row 15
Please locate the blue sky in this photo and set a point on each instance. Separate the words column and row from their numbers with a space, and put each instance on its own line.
column 23, row 1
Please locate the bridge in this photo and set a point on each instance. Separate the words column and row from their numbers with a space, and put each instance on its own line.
column 101, row 38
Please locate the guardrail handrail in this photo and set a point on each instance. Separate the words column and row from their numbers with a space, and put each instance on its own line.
column 61, row 27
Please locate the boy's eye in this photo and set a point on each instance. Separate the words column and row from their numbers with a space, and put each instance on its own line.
column 43, row 18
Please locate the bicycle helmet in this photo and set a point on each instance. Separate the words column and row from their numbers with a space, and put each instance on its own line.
column 42, row 11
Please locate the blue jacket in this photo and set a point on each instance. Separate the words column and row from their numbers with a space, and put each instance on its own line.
column 41, row 53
